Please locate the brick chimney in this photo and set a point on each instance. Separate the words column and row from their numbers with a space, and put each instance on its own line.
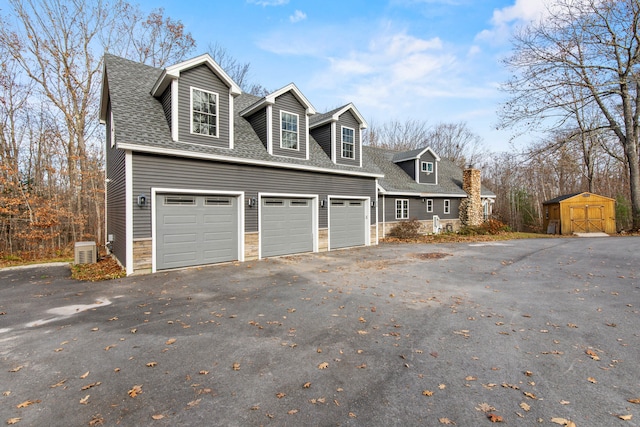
column 471, row 207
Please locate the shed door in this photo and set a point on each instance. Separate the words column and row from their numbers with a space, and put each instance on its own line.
column 286, row 226
column 195, row 230
column 347, row 223
column 587, row 219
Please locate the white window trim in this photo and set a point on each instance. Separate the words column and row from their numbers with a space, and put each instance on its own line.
column 217, row 135
column 429, row 205
column 425, row 167
column 297, row 132
column 447, row 206
column 353, row 150
column 112, row 129
column 402, row 209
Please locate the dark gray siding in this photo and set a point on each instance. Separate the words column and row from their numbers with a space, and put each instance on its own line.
column 290, row 104
column 116, row 194
column 348, row 120
column 259, row 123
column 157, row 171
column 418, row 209
column 322, row 135
column 424, row 177
column 202, row 77
column 409, row 166
column 166, row 104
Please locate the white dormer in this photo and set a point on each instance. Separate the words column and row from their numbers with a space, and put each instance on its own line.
column 339, row 133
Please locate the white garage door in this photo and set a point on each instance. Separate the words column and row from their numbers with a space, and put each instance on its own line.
column 286, row 226
column 347, row 219
column 195, row 230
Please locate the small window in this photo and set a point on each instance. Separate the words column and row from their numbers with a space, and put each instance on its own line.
column 429, row 205
column 179, row 200
column 299, row 203
column 204, row 112
column 337, row 203
column 427, row 167
column 217, row 201
column 402, row 209
column 288, row 130
column 355, row 203
column 273, row 202
column 447, row 206
column 348, row 143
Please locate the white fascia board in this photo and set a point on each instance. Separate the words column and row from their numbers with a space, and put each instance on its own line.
column 306, row 157
column 173, row 72
column 175, row 120
column 238, row 160
column 291, row 87
column 268, row 127
column 354, row 110
column 128, row 167
column 402, row 193
column 231, row 129
column 334, row 142
column 255, row 107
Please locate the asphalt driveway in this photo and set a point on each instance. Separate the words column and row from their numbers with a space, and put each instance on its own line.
column 522, row 331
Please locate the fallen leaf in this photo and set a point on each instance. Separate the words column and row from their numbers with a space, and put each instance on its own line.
column 134, row 330
column 572, row 325
column 204, row 372
column 364, row 365
column 323, row 365
column 85, row 375
column 88, row 386
column 306, row 385
column 85, row 400
column 593, row 354
column 292, row 412
column 494, row 418
column 254, row 408
column 11, row 421
column 136, row 390
column 445, row 420
column 193, row 403
column 525, row 407
column 96, row 420
column 442, row 386
column 170, row 341
column 280, row 395
column 362, row 320
column 592, row 380
column 236, row 366
column 27, row 403
column 427, row 393
column 152, row 364
column 530, row 395
column 528, row 373
column 109, row 347
column 636, row 401
column 112, row 319
column 563, row 422
column 58, row 384
column 625, row 417
column 17, row 368
column 363, row 332
column 157, row 417
column 564, row 402
column 485, row 407
column 470, row 378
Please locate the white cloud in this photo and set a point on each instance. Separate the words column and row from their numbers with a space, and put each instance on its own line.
column 503, row 20
column 268, row 2
column 298, row 16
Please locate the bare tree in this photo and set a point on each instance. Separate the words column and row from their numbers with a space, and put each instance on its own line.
column 591, row 45
column 238, row 71
column 397, row 135
column 456, row 142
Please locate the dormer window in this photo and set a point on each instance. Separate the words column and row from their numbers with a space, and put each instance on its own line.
column 204, row 112
column 288, row 130
column 348, row 143
column 427, row 167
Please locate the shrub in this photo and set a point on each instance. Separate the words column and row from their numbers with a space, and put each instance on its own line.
column 491, row 226
column 405, row 230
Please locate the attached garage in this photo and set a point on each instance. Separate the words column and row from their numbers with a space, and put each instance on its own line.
column 286, row 225
column 193, row 229
column 579, row 213
column 347, row 223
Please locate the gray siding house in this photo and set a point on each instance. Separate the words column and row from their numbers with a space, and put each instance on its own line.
column 199, row 172
column 419, row 184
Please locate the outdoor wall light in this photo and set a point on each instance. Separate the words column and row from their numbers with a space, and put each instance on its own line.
column 373, row 203
column 323, row 202
column 252, row 201
column 142, row 200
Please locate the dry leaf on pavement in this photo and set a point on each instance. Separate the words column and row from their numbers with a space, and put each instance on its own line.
column 563, row 422
column 11, row 421
column 136, row 390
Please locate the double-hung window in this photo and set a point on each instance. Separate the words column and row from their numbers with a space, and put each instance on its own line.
column 429, row 205
column 204, row 112
column 348, row 143
column 402, row 209
column 427, row 167
column 288, row 130
column 447, row 206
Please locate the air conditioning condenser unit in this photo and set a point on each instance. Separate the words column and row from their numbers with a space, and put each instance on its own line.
column 85, row 253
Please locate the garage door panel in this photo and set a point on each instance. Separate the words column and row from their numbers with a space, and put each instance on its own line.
column 286, row 226
column 347, row 223
column 195, row 230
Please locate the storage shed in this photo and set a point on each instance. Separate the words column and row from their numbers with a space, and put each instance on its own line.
column 580, row 213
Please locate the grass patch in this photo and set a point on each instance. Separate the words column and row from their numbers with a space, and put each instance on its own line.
column 460, row 238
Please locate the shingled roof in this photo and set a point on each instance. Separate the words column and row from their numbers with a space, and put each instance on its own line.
column 396, row 180
column 141, row 125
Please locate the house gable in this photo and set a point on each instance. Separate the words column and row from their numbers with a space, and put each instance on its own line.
column 420, row 164
column 339, row 133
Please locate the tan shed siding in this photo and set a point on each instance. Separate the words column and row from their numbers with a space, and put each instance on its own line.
column 349, row 121
column 259, row 123
column 580, row 202
column 116, row 196
column 322, row 135
column 165, row 99
column 167, row 172
column 203, row 78
column 424, row 177
column 290, row 104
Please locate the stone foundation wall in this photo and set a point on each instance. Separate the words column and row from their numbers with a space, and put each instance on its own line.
column 251, row 246
column 142, row 254
column 426, row 226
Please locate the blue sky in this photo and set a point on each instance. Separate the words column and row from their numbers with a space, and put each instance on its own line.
column 432, row 60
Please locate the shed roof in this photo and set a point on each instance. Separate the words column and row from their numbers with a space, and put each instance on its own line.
column 569, row 196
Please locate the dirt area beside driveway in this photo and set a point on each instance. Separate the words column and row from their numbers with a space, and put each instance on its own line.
column 530, row 332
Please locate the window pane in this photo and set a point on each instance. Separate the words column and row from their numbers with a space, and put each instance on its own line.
column 204, row 112
column 289, row 134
